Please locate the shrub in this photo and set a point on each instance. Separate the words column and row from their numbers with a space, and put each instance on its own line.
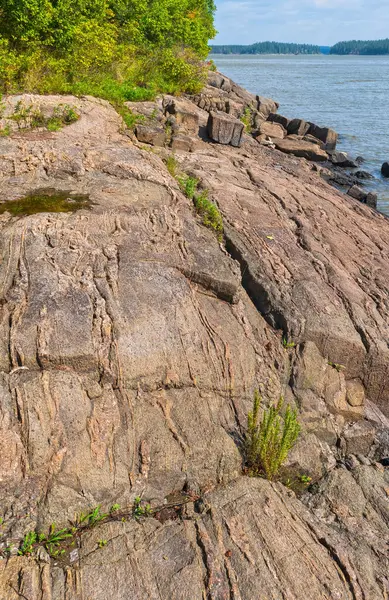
column 131, row 49
column 268, row 443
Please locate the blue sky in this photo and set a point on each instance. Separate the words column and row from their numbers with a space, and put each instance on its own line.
column 322, row 22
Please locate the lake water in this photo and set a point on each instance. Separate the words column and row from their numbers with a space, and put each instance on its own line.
column 348, row 93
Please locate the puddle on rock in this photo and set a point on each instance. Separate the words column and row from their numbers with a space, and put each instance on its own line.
column 46, row 200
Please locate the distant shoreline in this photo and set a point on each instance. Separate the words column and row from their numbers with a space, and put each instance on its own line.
column 352, row 48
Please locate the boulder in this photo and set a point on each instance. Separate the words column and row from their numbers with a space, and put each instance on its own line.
column 273, row 130
column 369, row 198
column 185, row 113
column 302, row 149
column 363, row 175
column 152, row 111
column 341, row 159
column 219, row 81
column 225, row 129
column 298, row 127
column 266, row 106
column 312, row 140
column 276, row 118
column 359, row 438
column 385, row 169
column 147, row 134
column 357, row 193
column 183, row 143
column 328, row 136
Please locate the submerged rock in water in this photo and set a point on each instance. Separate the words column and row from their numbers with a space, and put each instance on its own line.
column 385, row 169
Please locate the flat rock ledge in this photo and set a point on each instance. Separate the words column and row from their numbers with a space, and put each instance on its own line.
column 132, row 340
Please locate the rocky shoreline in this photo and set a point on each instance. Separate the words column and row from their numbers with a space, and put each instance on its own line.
column 134, row 336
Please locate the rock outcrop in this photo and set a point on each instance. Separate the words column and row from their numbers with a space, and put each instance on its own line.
column 133, row 339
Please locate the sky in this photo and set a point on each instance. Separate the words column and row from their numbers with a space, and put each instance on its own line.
column 322, row 22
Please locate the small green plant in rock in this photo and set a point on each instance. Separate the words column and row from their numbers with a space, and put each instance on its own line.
column 336, row 366
column 141, row 509
column 28, row 543
column 288, row 344
column 188, row 185
column 209, row 212
column 246, row 119
column 268, row 442
column 305, row 479
column 93, row 517
column 5, row 131
column 102, row 543
column 172, row 165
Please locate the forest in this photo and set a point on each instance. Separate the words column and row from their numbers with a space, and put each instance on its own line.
column 267, row 48
column 115, row 49
column 372, row 47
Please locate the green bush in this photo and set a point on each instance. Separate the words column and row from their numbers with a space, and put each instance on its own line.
column 117, row 49
column 268, row 443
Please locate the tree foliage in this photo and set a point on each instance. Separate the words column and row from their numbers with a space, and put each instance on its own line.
column 60, row 45
column 372, row 47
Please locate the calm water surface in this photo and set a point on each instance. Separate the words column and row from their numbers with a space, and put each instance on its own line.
column 348, row 93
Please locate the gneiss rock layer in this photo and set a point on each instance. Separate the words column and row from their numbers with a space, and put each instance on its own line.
column 132, row 342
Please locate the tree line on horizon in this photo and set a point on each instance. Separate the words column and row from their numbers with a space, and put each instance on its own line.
column 364, row 48
column 356, row 47
column 267, row 48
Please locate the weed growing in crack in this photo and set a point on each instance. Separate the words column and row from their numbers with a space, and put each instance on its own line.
column 288, row 344
column 209, row 212
column 60, row 542
column 269, row 442
column 246, row 119
column 172, row 165
column 188, row 185
column 141, row 509
column 30, row 117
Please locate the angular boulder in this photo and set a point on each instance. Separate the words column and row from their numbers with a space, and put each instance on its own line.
column 273, row 130
column 302, row 149
column 276, row 118
column 341, row 159
column 368, row 198
column 156, row 136
column 225, row 129
column 385, row 169
column 298, row 127
column 266, row 106
column 185, row 113
column 324, row 134
column 183, row 143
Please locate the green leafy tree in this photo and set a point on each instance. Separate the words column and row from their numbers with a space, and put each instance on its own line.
column 104, row 47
